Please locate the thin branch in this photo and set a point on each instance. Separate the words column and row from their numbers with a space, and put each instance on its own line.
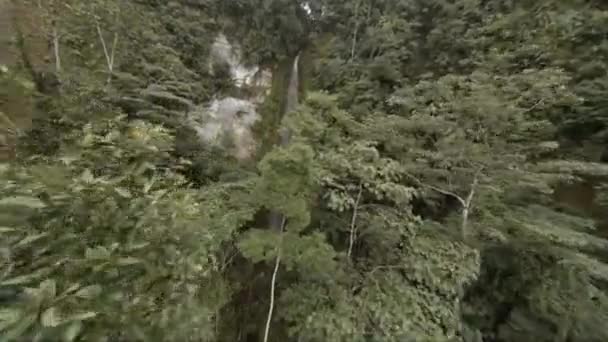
column 465, row 203
column 439, row 190
column 113, row 50
column 353, row 222
column 228, row 260
column 472, row 193
column 56, row 49
column 383, row 267
column 354, row 45
column 467, row 206
column 274, row 282
column 111, row 65
column 103, row 42
column 109, row 55
column 539, row 102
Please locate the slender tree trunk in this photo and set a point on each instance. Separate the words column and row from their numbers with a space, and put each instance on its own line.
column 108, row 54
column 466, row 206
column 56, row 49
column 354, row 44
column 273, row 283
column 111, row 66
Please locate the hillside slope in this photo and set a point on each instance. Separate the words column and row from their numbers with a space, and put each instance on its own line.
column 443, row 179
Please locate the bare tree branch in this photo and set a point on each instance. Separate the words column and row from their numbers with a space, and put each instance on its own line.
column 464, row 202
column 467, row 206
column 385, row 267
column 56, row 49
column 108, row 54
column 103, row 42
column 439, row 190
column 538, row 103
column 111, row 66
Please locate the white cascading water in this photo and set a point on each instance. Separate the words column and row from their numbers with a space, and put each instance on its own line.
column 233, row 117
column 292, row 97
column 294, row 83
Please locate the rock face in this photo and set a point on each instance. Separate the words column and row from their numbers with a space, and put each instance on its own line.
column 223, row 52
column 232, row 118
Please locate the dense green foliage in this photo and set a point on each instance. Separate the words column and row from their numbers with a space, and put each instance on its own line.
column 418, row 187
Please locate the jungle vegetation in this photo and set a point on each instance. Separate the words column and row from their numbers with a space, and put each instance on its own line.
column 445, row 180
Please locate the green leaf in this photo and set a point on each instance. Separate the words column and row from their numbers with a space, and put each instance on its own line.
column 149, row 185
column 89, row 292
column 72, row 331
column 48, row 288
column 83, row 316
column 70, row 289
column 127, row 261
column 17, row 331
column 50, row 317
column 87, row 176
column 25, row 201
column 27, row 278
column 29, row 239
column 8, row 317
column 68, row 160
column 259, row 245
column 7, row 229
column 97, row 253
column 123, row 192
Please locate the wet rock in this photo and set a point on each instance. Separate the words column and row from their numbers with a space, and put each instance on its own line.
column 224, row 53
column 230, row 118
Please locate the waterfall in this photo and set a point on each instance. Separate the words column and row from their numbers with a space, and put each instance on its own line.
column 292, row 96
column 276, row 219
column 292, row 91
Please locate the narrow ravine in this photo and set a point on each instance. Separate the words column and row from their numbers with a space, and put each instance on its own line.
column 276, row 218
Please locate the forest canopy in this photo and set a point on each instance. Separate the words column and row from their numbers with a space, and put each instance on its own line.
column 444, row 176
